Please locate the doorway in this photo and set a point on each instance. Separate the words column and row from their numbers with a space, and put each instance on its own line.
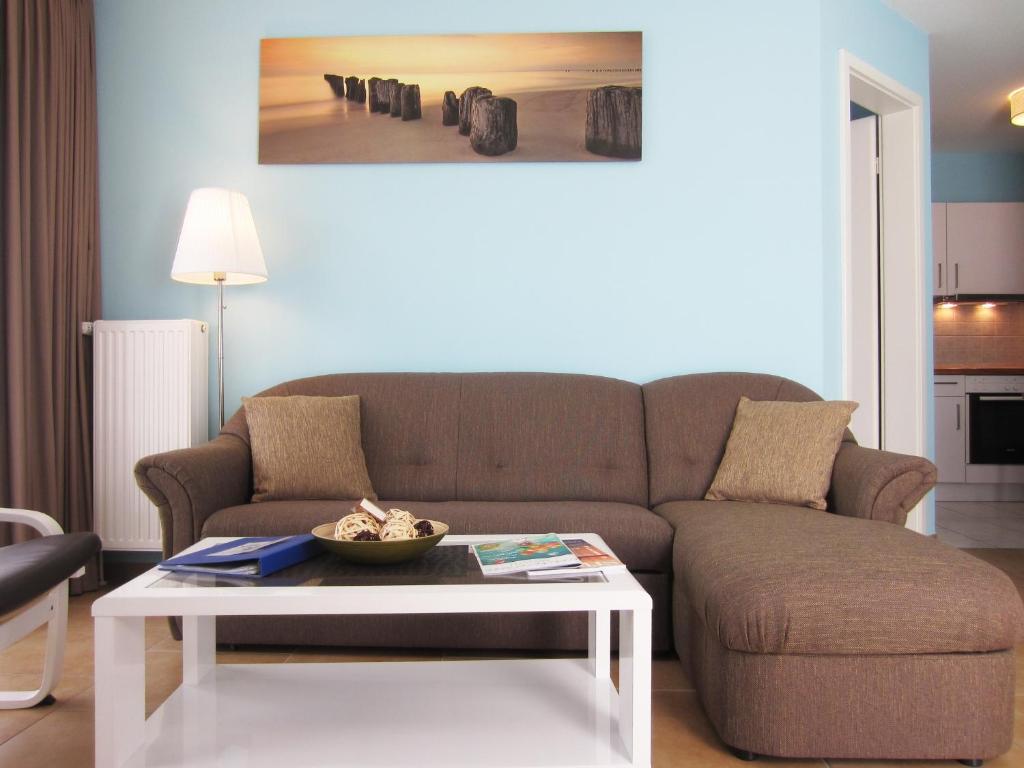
column 883, row 259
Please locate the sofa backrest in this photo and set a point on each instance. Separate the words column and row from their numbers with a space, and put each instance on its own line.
column 492, row 436
column 409, row 425
column 688, row 421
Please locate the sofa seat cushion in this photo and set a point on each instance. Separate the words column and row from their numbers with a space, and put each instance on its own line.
column 767, row 578
column 641, row 539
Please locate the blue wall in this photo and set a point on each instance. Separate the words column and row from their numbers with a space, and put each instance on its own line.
column 978, row 177
column 719, row 251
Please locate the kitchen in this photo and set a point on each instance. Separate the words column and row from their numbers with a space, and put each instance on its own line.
column 976, row 125
column 978, row 250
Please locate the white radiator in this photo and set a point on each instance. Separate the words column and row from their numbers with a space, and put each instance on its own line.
column 150, row 392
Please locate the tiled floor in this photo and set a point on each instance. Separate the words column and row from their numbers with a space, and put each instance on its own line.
column 61, row 736
column 977, row 524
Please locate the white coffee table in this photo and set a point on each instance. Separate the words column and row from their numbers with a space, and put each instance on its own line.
column 518, row 712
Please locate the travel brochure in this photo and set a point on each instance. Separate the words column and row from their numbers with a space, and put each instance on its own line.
column 543, row 556
column 592, row 560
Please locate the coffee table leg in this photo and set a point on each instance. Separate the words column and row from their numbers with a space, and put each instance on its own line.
column 120, row 656
column 199, row 647
column 599, row 643
column 635, row 684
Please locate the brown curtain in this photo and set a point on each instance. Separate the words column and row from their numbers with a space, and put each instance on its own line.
column 50, row 276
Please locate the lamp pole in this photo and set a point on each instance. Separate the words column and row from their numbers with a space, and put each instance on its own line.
column 220, row 277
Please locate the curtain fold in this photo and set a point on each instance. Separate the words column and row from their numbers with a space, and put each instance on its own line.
column 50, row 274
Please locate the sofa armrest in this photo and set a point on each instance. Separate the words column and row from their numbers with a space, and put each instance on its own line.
column 879, row 485
column 189, row 485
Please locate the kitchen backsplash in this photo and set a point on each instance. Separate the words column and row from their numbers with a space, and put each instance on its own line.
column 971, row 334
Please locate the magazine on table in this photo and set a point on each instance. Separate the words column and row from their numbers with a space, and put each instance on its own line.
column 500, row 558
column 592, row 559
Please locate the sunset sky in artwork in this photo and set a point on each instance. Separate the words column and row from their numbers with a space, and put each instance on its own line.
column 450, row 53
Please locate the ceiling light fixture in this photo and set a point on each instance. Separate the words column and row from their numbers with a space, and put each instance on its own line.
column 948, row 305
column 1017, row 107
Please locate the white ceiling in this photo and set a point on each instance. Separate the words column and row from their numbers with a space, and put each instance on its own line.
column 977, row 58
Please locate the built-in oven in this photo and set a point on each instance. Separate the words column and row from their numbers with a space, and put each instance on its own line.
column 995, row 419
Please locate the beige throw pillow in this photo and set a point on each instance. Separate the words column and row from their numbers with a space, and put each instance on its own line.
column 307, row 448
column 781, row 452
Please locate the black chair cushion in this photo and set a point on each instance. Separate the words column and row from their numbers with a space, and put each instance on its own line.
column 30, row 568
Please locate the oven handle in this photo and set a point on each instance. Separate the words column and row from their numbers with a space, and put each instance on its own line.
column 992, row 398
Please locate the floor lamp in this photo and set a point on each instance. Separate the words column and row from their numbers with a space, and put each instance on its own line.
column 218, row 246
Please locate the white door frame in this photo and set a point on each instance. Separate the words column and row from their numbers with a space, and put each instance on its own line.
column 903, row 297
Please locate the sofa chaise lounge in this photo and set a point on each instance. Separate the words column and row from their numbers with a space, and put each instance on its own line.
column 807, row 633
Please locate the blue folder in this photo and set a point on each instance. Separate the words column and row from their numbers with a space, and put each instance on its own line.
column 249, row 557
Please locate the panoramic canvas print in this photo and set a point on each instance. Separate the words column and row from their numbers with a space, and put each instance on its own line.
column 451, row 98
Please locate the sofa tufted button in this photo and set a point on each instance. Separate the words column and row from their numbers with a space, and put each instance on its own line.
column 499, row 465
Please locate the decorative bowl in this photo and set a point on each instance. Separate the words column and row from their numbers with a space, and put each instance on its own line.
column 385, row 552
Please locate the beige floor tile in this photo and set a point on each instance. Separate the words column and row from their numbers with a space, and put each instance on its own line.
column 955, row 539
column 1018, row 723
column 667, row 674
column 27, row 655
column 63, row 738
column 13, row 721
column 484, row 654
column 158, row 631
column 479, row 654
column 163, row 676
column 253, row 656
column 315, row 655
column 683, row 737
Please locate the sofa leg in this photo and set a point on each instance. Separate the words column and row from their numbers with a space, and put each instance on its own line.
column 972, row 763
column 744, row 754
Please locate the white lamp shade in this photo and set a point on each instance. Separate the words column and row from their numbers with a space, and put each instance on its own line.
column 1017, row 107
column 218, row 241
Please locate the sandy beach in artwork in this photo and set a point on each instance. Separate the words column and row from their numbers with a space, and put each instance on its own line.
column 308, row 114
column 551, row 127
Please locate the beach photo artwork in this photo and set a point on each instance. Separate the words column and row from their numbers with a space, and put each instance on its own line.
column 451, row 98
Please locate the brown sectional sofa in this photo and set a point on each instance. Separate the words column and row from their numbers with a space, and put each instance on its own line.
column 808, row 633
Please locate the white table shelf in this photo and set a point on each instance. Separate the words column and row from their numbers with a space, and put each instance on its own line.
column 505, row 714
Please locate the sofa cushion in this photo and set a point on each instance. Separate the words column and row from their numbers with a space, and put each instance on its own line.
column 778, row 579
column 641, row 539
column 546, row 437
column 781, row 453
column 688, row 423
column 306, row 447
column 410, row 427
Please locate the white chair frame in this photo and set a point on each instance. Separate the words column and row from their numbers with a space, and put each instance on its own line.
column 51, row 609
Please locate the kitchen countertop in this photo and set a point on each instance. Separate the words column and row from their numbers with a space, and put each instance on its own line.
column 979, row 370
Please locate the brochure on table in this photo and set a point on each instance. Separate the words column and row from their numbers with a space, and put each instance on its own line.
column 592, row 560
column 547, row 555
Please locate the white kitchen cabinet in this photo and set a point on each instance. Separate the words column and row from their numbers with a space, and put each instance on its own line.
column 951, row 437
column 984, row 248
column 940, row 270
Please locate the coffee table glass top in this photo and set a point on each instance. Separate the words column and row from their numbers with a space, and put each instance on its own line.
column 447, row 563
